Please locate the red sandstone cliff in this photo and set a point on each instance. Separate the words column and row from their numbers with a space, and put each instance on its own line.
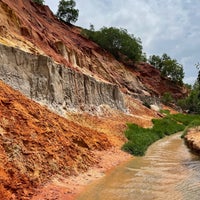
column 46, row 59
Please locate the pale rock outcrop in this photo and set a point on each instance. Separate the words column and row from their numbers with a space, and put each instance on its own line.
column 55, row 85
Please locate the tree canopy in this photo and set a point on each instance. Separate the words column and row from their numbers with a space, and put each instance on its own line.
column 116, row 41
column 67, row 12
column 192, row 102
column 168, row 67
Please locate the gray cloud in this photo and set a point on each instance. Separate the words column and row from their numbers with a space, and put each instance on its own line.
column 165, row 26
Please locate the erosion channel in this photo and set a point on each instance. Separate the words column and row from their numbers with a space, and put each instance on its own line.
column 168, row 171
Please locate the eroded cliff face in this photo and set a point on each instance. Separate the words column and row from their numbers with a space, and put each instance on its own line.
column 33, row 28
column 36, row 144
column 59, row 87
column 53, row 64
column 192, row 139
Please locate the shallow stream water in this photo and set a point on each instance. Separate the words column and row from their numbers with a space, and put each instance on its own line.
column 168, row 172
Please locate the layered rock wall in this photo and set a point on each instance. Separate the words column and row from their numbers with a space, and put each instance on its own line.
column 55, row 85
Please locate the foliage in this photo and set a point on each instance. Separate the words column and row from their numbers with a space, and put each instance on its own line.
column 144, row 57
column 185, row 119
column 39, row 1
column 67, row 12
column 117, row 41
column 156, row 61
column 145, row 103
column 166, row 126
column 194, row 123
column 166, row 112
column 188, row 86
column 168, row 67
column 192, row 102
column 198, row 77
column 140, row 138
column 167, row 98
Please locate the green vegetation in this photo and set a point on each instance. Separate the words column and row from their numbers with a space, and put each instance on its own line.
column 117, row 41
column 139, row 139
column 145, row 103
column 191, row 103
column 168, row 67
column 67, row 12
column 39, row 1
column 166, row 112
column 126, row 47
column 167, row 98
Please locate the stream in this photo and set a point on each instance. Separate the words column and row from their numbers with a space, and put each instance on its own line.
column 168, row 171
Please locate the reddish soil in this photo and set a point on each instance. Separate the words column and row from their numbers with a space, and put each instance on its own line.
column 192, row 139
column 61, row 188
column 37, row 146
column 156, row 84
column 34, row 28
column 43, row 155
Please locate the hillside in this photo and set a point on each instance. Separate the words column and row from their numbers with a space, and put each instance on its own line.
column 34, row 28
column 64, row 101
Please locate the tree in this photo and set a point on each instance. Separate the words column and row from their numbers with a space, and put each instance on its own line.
column 192, row 102
column 168, row 67
column 155, row 61
column 167, row 98
column 39, row 1
column 117, row 41
column 67, row 12
column 198, row 77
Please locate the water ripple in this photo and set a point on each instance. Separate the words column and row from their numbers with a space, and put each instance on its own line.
column 167, row 172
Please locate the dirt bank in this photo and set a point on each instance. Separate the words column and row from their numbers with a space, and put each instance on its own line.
column 61, row 188
column 192, row 139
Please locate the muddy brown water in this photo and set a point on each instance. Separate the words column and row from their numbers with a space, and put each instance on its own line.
column 168, row 172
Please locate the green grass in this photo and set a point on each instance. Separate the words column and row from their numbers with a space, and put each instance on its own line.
column 167, row 112
column 139, row 139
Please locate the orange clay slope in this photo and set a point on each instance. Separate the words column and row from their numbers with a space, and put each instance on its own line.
column 35, row 144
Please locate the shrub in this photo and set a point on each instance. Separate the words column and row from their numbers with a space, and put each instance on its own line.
column 168, row 67
column 146, row 104
column 167, row 98
column 67, row 12
column 117, row 41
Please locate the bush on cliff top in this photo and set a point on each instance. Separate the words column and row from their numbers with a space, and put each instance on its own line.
column 116, row 41
column 168, row 67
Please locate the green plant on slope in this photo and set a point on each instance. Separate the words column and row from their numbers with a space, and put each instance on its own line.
column 167, row 98
column 168, row 67
column 117, row 41
column 139, row 139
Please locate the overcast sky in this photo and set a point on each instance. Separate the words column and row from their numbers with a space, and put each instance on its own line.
column 164, row 26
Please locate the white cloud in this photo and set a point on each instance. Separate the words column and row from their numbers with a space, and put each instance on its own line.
column 190, row 80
